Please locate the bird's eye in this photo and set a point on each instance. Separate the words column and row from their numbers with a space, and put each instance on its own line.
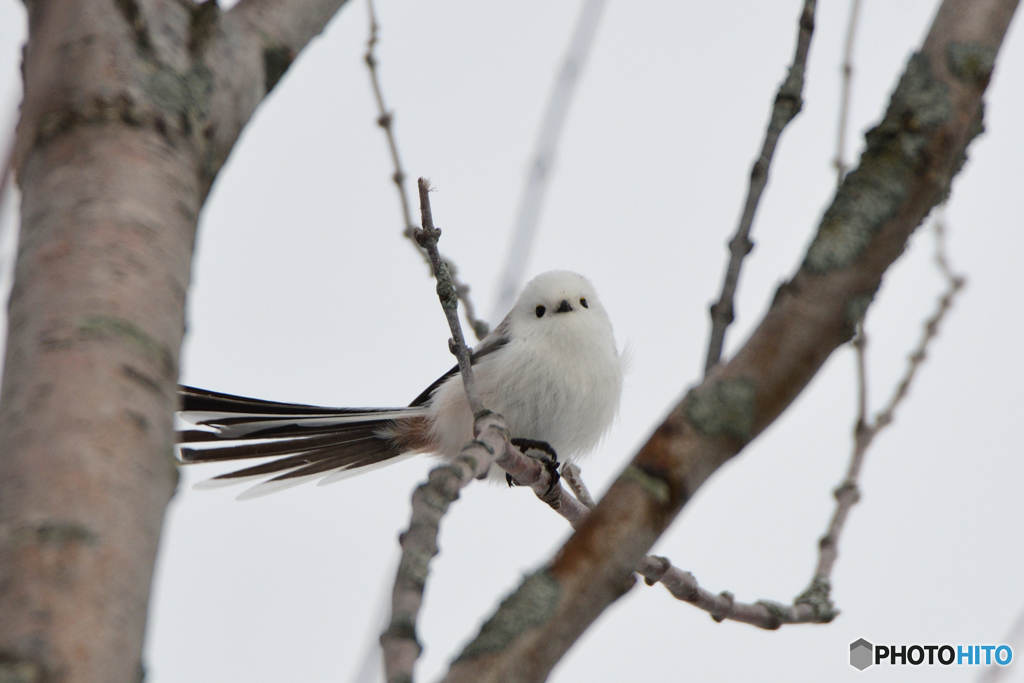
column 540, row 311
column 583, row 302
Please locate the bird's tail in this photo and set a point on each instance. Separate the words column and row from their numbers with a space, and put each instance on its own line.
column 305, row 442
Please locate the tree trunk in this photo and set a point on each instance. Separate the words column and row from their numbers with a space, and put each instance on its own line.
column 130, row 109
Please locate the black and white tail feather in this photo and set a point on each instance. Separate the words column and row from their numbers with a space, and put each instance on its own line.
column 307, row 442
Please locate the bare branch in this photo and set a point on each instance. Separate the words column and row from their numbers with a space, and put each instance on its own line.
column 788, row 102
column 931, row 329
column 909, row 162
column 844, row 103
column 723, row 606
column 427, row 237
column 548, row 137
column 385, row 120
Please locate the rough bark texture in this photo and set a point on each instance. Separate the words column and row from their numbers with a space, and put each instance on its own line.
column 130, row 110
column 911, row 158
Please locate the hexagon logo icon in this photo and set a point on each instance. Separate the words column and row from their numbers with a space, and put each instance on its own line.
column 861, row 652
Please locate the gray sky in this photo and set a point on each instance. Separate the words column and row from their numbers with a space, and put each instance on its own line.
column 304, row 291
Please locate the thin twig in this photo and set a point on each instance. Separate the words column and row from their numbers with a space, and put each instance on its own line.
column 788, row 102
column 427, row 237
column 954, row 283
column 548, row 137
column 385, row 119
column 847, row 494
column 844, row 103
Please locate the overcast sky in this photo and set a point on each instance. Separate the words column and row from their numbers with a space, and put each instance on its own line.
column 303, row 290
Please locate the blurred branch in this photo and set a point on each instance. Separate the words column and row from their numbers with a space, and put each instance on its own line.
column 548, row 137
column 788, row 102
column 385, row 120
column 954, row 283
column 907, row 166
column 844, row 103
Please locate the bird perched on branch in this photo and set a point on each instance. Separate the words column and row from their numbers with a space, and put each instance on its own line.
column 551, row 368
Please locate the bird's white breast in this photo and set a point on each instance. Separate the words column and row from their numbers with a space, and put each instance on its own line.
column 556, row 384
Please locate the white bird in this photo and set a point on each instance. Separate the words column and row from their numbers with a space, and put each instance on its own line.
column 551, row 368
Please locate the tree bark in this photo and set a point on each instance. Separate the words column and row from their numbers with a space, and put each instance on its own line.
column 131, row 107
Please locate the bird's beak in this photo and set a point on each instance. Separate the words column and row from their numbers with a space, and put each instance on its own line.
column 564, row 307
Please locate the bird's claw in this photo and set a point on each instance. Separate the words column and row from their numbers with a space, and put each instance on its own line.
column 549, row 460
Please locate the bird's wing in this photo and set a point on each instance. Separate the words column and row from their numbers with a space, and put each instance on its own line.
column 495, row 340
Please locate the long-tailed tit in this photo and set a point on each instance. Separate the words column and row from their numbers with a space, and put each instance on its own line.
column 550, row 368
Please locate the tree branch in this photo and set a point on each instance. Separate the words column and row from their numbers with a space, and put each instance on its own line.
column 788, row 102
column 910, row 160
column 427, row 237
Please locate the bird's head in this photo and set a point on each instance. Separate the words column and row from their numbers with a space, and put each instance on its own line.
column 560, row 302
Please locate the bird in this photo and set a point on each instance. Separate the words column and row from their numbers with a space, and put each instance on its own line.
column 551, row 368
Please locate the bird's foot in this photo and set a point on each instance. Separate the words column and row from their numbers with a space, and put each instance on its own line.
column 549, row 460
